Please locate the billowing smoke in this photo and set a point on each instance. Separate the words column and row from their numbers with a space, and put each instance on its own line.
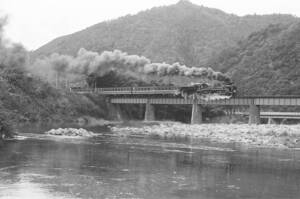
column 91, row 63
column 163, row 69
column 11, row 55
column 87, row 62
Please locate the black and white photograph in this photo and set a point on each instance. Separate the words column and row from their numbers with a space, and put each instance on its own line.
column 149, row 99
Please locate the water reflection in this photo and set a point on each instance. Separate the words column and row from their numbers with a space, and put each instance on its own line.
column 111, row 167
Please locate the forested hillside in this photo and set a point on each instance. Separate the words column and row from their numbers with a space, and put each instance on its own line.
column 184, row 32
column 26, row 98
column 267, row 62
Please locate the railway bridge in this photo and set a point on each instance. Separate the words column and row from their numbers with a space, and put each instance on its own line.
column 151, row 96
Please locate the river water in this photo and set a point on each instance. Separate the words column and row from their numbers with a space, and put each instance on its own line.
column 107, row 166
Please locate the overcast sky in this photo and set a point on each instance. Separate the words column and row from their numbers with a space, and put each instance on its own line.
column 36, row 22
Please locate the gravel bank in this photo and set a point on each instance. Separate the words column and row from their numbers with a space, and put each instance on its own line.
column 279, row 136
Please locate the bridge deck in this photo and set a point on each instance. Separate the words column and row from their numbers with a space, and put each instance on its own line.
column 167, row 95
column 282, row 115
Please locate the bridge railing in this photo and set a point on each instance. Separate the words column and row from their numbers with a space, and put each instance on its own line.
column 270, row 114
column 128, row 90
column 135, row 89
column 172, row 90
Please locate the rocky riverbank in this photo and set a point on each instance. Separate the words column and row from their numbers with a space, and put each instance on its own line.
column 278, row 136
column 70, row 132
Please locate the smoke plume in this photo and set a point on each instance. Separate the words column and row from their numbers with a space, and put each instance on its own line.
column 91, row 63
column 11, row 55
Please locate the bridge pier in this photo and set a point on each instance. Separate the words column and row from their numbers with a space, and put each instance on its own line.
column 271, row 121
column 254, row 114
column 196, row 113
column 115, row 112
column 149, row 112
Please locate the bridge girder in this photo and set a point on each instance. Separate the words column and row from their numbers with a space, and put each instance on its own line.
column 232, row 101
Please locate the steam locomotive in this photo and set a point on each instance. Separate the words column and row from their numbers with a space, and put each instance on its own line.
column 205, row 89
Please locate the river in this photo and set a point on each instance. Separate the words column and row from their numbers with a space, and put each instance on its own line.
column 106, row 166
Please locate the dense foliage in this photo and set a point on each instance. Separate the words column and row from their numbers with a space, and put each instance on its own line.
column 267, row 62
column 27, row 98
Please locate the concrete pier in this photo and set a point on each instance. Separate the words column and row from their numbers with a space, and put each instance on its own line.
column 254, row 114
column 149, row 112
column 196, row 113
column 115, row 112
column 271, row 121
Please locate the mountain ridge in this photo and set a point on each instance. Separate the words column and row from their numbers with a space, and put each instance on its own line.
column 182, row 32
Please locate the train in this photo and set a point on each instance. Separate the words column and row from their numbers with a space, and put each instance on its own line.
column 200, row 90
column 205, row 90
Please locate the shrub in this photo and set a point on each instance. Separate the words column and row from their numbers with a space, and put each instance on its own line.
column 6, row 130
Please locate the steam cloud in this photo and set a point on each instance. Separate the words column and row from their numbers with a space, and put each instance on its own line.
column 88, row 63
column 11, row 54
